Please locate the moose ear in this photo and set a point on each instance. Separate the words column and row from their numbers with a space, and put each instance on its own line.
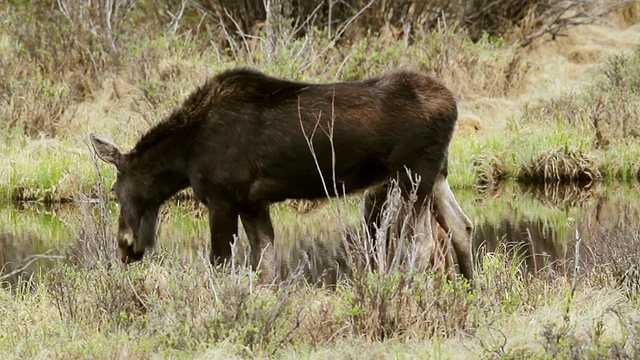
column 105, row 150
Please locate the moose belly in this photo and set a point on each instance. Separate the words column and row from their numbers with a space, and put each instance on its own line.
column 314, row 186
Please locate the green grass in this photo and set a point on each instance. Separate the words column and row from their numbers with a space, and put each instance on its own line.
column 121, row 83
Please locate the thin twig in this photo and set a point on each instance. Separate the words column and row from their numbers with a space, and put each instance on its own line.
column 144, row 305
column 335, row 39
column 533, row 252
column 28, row 261
column 576, row 265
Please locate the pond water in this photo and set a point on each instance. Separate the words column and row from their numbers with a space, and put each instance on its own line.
column 540, row 225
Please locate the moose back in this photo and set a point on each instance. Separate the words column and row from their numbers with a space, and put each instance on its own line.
column 244, row 140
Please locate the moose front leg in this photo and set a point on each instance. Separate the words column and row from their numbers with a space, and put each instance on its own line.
column 223, row 223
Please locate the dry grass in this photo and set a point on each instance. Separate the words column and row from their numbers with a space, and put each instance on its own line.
column 616, row 259
column 304, row 206
column 74, row 69
column 561, row 164
column 490, row 171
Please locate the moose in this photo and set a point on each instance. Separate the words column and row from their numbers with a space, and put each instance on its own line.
column 244, row 140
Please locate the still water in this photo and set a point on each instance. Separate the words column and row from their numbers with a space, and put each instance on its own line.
column 540, row 225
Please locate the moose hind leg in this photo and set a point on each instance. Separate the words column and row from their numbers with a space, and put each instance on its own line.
column 452, row 219
column 374, row 199
column 257, row 224
column 417, row 186
column 406, row 222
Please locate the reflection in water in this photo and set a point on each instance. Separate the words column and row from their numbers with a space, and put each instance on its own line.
column 541, row 223
column 19, row 264
column 562, row 195
column 533, row 241
column 29, row 234
column 318, row 261
column 536, row 223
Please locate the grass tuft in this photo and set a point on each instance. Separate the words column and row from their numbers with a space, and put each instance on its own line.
column 560, row 164
column 490, row 171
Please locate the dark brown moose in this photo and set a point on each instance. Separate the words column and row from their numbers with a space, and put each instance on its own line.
column 245, row 140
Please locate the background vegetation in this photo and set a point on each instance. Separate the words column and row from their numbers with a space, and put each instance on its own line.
column 116, row 67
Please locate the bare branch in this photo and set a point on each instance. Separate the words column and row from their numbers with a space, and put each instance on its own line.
column 27, row 262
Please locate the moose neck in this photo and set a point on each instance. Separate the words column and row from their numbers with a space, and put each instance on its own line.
column 162, row 163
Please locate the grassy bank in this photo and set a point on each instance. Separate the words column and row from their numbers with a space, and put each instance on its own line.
column 42, row 167
column 585, row 134
column 89, row 72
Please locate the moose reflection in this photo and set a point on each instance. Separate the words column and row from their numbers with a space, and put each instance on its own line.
column 245, row 140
